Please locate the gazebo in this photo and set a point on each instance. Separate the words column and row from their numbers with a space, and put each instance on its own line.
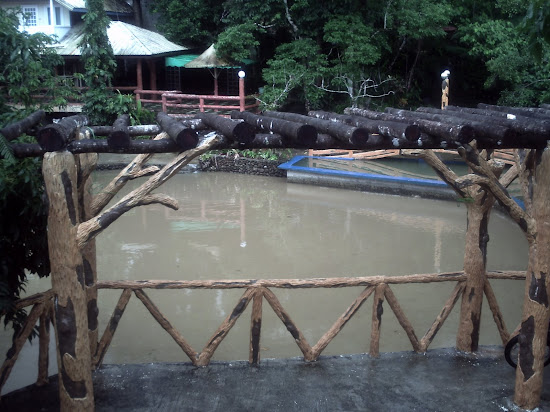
column 209, row 59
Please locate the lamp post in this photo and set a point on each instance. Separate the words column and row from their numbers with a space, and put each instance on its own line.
column 242, row 75
column 445, row 89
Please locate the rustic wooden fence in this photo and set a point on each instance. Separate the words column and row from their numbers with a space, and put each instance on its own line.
column 178, row 102
column 257, row 291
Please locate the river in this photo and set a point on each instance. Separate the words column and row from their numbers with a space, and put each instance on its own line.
column 232, row 226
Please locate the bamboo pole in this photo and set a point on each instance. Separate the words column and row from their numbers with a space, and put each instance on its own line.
column 447, row 308
column 167, row 326
column 18, row 342
column 341, row 322
column 497, row 314
column 111, row 328
column 377, row 311
column 256, row 327
column 299, row 338
column 402, row 318
column 220, row 334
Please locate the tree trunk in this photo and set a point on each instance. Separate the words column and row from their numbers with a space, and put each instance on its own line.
column 86, row 164
column 534, row 325
column 475, row 256
column 68, row 279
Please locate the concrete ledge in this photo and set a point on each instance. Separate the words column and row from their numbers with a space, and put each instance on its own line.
column 439, row 380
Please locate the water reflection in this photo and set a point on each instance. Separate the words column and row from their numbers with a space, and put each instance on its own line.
column 233, row 226
column 238, row 227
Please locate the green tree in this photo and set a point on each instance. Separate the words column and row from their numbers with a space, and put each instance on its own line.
column 99, row 64
column 26, row 68
column 536, row 25
column 294, row 71
column 522, row 77
column 192, row 22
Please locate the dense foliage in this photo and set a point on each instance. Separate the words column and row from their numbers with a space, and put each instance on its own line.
column 347, row 52
column 99, row 64
column 26, row 69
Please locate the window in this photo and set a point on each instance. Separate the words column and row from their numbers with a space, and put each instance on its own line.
column 57, row 11
column 29, row 16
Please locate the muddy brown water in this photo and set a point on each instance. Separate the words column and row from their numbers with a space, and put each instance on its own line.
column 232, row 226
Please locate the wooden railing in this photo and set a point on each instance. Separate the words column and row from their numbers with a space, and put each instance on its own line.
column 256, row 291
column 176, row 102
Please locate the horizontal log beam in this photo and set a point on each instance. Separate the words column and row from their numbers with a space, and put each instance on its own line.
column 534, row 112
column 527, row 131
column 439, row 131
column 56, row 136
column 239, row 131
column 481, row 131
column 301, row 283
column 16, row 129
column 342, row 132
column 185, row 137
column 302, row 134
column 391, row 130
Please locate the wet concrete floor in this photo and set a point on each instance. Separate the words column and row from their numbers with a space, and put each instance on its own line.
column 440, row 380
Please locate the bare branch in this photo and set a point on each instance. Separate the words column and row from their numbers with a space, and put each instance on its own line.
column 130, row 172
column 159, row 198
column 442, row 170
column 511, row 175
column 91, row 228
column 525, row 222
column 524, row 160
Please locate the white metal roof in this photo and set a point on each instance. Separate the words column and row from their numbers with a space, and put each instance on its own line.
column 126, row 40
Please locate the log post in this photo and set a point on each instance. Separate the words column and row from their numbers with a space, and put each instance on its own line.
column 256, row 327
column 139, row 74
column 68, row 282
column 119, row 137
column 475, row 257
column 86, row 164
column 444, row 93
column 536, row 312
column 377, row 311
column 44, row 345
